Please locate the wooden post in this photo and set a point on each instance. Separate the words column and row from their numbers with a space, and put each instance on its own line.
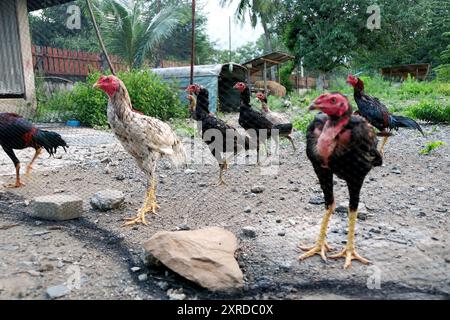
column 265, row 77
column 193, row 43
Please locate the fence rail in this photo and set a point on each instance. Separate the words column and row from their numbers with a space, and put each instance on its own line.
column 70, row 63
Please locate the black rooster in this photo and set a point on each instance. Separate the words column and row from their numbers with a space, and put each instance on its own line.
column 220, row 137
column 250, row 119
column 377, row 113
column 345, row 145
column 18, row 133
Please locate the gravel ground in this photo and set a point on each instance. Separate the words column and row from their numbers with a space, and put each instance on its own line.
column 404, row 230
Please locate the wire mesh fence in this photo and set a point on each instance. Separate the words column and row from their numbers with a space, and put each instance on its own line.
column 49, row 66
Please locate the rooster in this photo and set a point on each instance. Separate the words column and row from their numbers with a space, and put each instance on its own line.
column 218, row 135
column 345, row 145
column 18, row 133
column 145, row 138
column 274, row 117
column 202, row 95
column 250, row 119
column 377, row 113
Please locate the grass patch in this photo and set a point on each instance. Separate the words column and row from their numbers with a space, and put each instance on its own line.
column 430, row 146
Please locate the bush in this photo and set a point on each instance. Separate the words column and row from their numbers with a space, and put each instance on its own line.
column 148, row 93
column 430, row 110
column 301, row 122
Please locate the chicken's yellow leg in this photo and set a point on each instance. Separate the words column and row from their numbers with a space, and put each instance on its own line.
column 30, row 165
column 150, row 206
column 322, row 246
column 349, row 252
column 385, row 139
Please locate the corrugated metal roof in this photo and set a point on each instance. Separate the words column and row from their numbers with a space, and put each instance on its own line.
column 271, row 59
column 41, row 4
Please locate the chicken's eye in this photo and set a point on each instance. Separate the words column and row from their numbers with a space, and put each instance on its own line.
column 333, row 100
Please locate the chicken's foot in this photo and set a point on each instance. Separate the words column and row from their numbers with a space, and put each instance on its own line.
column 150, row 206
column 321, row 246
column 349, row 252
column 18, row 183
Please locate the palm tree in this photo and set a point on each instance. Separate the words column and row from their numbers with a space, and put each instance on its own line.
column 132, row 31
column 259, row 11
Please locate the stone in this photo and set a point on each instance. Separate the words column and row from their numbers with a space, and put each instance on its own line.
column 396, row 170
column 282, row 233
column 176, row 294
column 204, row 256
column 57, row 207
column 135, row 269
column 317, row 200
column 143, row 277
column 57, row 291
column 107, row 200
column 247, row 209
column 257, row 189
column 249, row 232
column 190, row 171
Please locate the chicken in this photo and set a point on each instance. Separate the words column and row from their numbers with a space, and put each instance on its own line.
column 258, row 126
column 145, row 138
column 377, row 113
column 18, row 133
column 202, row 95
column 220, row 137
column 345, row 145
column 274, row 117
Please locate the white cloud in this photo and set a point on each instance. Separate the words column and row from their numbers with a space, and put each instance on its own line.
column 218, row 21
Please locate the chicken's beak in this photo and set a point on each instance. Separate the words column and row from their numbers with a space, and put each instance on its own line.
column 314, row 106
column 96, row 85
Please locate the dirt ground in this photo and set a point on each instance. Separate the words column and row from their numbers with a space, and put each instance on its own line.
column 404, row 230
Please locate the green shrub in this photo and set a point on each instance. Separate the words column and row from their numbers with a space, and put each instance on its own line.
column 430, row 110
column 148, row 93
column 301, row 122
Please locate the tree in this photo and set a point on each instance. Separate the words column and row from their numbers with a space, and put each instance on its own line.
column 132, row 31
column 443, row 71
column 324, row 33
column 49, row 28
column 263, row 11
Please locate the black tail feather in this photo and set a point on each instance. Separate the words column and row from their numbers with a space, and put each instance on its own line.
column 404, row 122
column 50, row 141
column 285, row 128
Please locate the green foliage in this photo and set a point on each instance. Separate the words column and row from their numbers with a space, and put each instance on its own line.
column 301, row 122
column 443, row 71
column 285, row 72
column 148, row 93
column 430, row 110
column 430, row 146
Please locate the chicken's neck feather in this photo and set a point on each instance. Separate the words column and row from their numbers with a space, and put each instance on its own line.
column 121, row 104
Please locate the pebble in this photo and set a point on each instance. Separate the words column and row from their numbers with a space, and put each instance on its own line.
column 282, row 233
column 396, row 170
column 257, row 189
column 271, row 211
column 247, row 209
column 57, row 291
column 317, row 200
column 120, row 177
column 135, row 269
column 163, row 285
column 143, row 277
column 176, row 294
column 190, row 171
column 183, row 227
column 249, row 232
column 278, row 220
column 421, row 189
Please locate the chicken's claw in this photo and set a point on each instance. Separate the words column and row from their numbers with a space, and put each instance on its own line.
column 349, row 255
column 320, row 249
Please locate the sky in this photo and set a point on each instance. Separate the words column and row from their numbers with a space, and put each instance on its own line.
column 217, row 27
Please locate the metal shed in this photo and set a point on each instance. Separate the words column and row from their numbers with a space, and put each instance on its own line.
column 219, row 79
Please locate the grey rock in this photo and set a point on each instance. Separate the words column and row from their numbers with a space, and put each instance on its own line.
column 183, row 227
column 135, row 269
column 190, row 171
column 282, row 233
column 421, row 189
column 278, row 220
column 271, row 211
column 57, row 291
column 143, row 277
column 317, row 200
column 396, row 170
column 57, row 207
column 106, row 160
column 176, row 294
column 257, row 189
column 249, row 232
column 120, row 177
column 247, row 209
column 107, row 200
column 163, row 285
